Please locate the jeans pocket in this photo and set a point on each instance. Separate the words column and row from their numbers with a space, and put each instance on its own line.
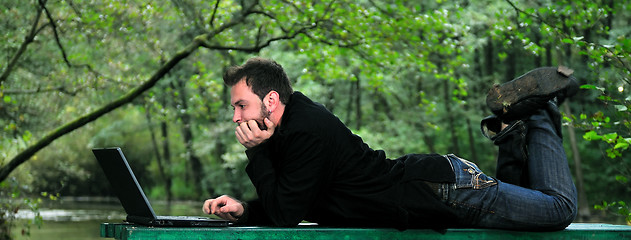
column 468, row 175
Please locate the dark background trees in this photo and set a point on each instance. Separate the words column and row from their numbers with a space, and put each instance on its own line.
column 406, row 76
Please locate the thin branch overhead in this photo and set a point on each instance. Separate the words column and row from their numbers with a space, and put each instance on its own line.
column 212, row 17
column 64, row 55
column 611, row 52
column 59, row 89
column 27, row 40
column 42, row 4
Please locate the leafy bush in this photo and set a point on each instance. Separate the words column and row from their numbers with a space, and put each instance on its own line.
column 11, row 202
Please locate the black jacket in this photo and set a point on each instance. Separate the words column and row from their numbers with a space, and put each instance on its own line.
column 313, row 168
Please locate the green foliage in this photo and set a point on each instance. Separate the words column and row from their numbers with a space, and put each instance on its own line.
column 613, row 130
column 14, row 200
column 619, row 208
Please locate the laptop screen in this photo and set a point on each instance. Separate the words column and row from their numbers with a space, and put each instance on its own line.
column 123, row 182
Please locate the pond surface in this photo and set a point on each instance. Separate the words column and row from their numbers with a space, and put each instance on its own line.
column 81, row 218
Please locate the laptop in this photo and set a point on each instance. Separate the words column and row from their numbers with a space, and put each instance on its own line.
column 133, row 199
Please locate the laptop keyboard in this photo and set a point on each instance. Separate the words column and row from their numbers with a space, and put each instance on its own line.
column 182, row 218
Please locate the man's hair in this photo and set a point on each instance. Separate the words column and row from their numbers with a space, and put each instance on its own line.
column 262, row 75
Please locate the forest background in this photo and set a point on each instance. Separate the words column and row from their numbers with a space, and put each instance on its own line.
column 407, row 76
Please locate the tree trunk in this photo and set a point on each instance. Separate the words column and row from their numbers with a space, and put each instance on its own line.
column 537, row 60
column 349, row 104
column 166, row 148
column 472, row 145
column 428, row 139
column 166, row 151
column 187, row 136
column 510, row 64
column 488, row 57
column 454, row 147
column 548, row 54
column 583, row 206
column 381, row 105
column 358, row 101
column 161, row 166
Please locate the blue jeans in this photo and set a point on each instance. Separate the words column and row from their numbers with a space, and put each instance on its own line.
column 547, row 198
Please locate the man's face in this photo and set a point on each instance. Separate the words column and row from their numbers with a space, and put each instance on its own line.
column 247, row 105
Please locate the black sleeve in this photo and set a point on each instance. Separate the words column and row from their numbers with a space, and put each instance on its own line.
column 287, row 186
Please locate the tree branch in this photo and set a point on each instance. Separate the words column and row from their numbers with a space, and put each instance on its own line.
column 27, row 153
column 61, row 47
column 258, row 45
column 298, row 9
column 42, row 4
column 189, row 12
column 327, row 42
column 212, row 17
column 381, row 10
column 61, row 89
column 85, row 119
column 27, row 40
column 561, row 33
column 75, row 8
column 253, row 49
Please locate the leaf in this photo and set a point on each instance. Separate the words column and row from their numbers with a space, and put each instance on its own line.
column 589, row 86
column 26, row 136
column 622, row 145
column 591, row 136
column 621, row 108
column 613, row 153
column 610, row 137
column 621, row 179
column 583, row 116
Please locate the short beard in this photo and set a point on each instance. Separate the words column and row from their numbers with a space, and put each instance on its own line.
column 264, row 114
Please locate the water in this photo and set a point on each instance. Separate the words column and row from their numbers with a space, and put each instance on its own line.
column 67, row 230
column 81, row 218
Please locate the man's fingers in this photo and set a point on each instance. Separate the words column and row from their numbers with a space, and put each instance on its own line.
column 215, row 204
column 239, row 133
column 211, row 208
column 246, row 129
column 254, row 127
column 206, row 206
column 227, row 216
column 243, row 133
column 228, row 209
column 269, row 124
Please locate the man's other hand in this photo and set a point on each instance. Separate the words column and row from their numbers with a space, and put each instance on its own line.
column 224, row 207
column 249, row 134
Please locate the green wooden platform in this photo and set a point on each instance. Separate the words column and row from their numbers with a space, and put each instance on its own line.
column 124, row 231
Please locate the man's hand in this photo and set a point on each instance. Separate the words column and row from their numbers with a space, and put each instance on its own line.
column 249, row 134
column 225, row 207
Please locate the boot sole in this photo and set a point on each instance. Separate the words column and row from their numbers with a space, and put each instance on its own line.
column 538, row 85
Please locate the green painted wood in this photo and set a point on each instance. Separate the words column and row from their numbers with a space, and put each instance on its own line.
column 121, row 231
